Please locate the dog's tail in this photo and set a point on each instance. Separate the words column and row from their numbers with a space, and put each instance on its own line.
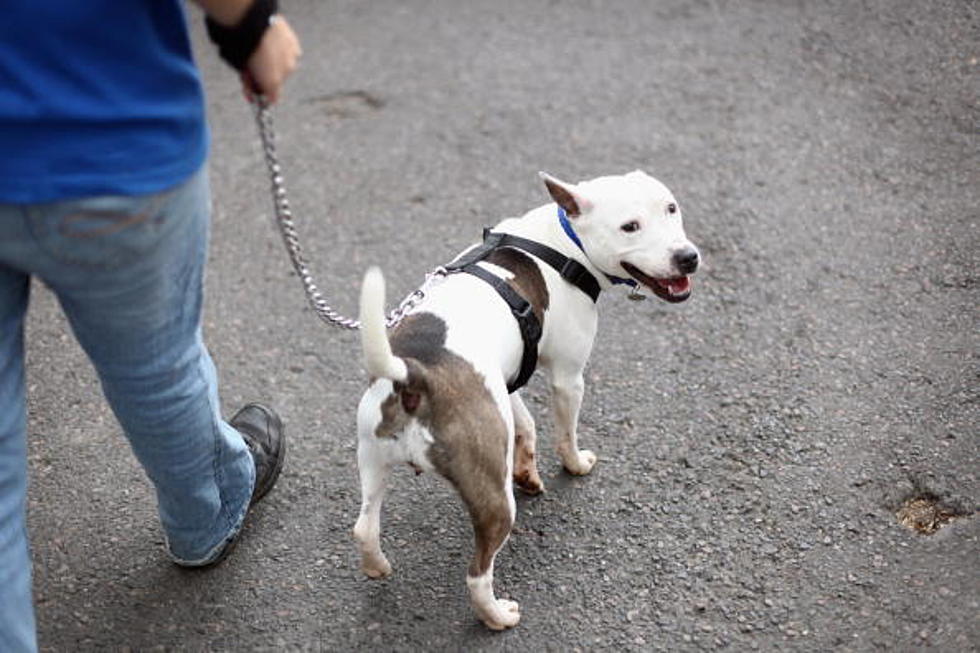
column 378, row 358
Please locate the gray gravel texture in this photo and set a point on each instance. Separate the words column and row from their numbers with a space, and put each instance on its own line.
column 754, row 443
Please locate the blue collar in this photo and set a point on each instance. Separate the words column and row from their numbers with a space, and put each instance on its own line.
column 567, row 226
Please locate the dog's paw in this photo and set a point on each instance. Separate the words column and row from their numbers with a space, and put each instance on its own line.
column 529, row 482
column 506, row 615
column 376, row 566
column 581, row 463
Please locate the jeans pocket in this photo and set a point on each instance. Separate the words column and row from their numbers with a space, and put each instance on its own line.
column 104, row 232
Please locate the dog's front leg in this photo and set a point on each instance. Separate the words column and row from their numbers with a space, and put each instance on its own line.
column 567, row 391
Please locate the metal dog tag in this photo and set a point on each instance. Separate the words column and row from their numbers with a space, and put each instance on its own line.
column 636, row 295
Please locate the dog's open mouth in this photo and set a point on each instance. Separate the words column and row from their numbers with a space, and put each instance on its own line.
column 675, row 289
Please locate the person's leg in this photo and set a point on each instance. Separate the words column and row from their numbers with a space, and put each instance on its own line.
column 129, row 274
column 17, row 632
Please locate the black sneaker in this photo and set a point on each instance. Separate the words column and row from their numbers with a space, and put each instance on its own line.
column 262, row 431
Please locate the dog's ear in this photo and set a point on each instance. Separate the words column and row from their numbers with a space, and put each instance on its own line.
column 566, row 195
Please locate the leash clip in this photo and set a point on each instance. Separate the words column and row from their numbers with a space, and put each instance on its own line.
column 635, row 294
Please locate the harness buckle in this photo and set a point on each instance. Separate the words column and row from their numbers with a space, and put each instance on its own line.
column 572, row 271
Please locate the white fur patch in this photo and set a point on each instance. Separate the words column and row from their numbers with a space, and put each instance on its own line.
column 497, row 614
column 410, row 446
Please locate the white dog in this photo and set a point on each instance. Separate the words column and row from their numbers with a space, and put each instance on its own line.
column 443, row 393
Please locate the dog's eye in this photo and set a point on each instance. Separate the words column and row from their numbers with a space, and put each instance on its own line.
column 631, row 226
column 671, row 208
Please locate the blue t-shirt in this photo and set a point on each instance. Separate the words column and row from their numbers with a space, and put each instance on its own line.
column 97, row 97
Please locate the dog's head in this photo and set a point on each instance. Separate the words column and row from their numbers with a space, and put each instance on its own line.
column 630, row 227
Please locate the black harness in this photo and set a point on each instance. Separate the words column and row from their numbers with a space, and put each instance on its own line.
column 570, row 270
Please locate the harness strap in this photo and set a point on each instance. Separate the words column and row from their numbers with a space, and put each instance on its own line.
column 568, row 268
column 527, row 321
column 490, row 242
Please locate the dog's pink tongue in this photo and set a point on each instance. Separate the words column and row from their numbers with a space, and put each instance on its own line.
column 679, row 286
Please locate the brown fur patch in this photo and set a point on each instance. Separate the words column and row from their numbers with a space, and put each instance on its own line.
column 421, row 336
column 393, row 418
column 527, row 280
column 525, row 468
column 470, row 450
column 470, row 435
column 418, row 339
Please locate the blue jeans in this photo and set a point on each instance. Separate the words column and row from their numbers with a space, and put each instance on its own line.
column 128, row 273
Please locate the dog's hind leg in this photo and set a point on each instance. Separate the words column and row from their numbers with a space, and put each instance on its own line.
column 567, row 391
column 367, row 531
column 492, row 511
column 526, row 474
column 473, row 431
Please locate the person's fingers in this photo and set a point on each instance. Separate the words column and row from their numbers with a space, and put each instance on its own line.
column 273, row 61
column 249, row 88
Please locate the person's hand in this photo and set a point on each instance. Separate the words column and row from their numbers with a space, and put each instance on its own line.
column 273, row 61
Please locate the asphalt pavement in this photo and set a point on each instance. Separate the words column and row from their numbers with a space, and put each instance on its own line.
column 756, row 444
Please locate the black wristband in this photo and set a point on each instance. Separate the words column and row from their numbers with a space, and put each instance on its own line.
column 236, row 44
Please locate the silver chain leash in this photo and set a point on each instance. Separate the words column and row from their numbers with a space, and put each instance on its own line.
column 287, row 228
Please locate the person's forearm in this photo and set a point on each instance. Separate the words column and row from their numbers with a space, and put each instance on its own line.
column 225, row 12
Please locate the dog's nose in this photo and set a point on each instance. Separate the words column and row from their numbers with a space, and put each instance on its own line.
column 687, row 260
